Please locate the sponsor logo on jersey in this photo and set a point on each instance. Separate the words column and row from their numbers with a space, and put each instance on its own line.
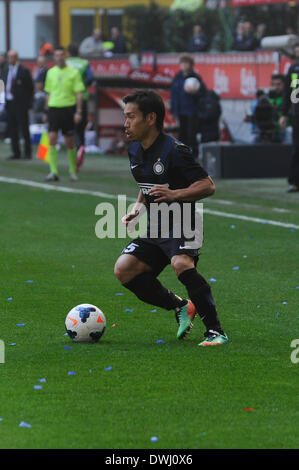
column 146, row 187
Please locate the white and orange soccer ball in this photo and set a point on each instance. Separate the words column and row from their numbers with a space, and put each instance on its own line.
column 191, row 85
column 85, row 323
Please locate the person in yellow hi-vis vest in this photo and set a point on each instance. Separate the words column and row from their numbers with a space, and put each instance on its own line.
column 291, row 106
column 65, row 88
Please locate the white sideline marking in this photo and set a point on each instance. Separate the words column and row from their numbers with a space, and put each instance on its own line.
column 65, row 189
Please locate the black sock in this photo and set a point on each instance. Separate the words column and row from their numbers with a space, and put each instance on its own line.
column 148, row 289
column 200, row 293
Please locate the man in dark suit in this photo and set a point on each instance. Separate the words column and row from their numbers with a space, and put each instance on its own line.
column 18, row 94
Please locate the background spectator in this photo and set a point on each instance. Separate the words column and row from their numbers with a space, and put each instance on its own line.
column 40, row 76
column 3, row 64
column 118, row 40
column 260, row 34
column 39, row 103
column 244, row 38
column 209, row 112
column 184, row 106
column 198, row 41
column 19, row 95
column 46, row 48
column 92, row 46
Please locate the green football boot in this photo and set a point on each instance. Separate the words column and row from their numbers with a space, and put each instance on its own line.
column 213, row 338
column 184, row 316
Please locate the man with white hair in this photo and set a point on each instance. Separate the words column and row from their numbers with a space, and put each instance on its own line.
column 18, row 95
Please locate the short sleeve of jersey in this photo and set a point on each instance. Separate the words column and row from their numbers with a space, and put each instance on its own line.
column 184, row 164
column 78, row 82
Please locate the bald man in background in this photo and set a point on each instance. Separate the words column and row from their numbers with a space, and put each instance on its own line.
column 18, row 95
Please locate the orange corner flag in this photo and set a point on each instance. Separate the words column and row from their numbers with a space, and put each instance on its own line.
column 43, row 148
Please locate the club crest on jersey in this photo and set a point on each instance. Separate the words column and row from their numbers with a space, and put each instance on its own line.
column 158, row 167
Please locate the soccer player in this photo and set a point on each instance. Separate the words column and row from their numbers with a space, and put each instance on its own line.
column 64, row 102
column 165, row 171
column 87, row 77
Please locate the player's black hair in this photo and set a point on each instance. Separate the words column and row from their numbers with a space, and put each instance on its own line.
column 73, row 50
column 148, row 102
column 278, row 76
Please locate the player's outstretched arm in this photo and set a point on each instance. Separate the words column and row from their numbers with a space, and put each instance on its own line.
column 197, row 190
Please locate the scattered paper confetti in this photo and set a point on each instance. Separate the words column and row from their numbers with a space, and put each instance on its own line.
column 65, row 334
column 43, row 380
column 251, row 236
column 129, row 310
column 21, row 324
column 154, row 439
column 9, row 298
column 30, row 281
column 292, row 230
column 23, row 424
column 235, row 268
column 114, row 324
column 258, row 306
column 232, row 226
column 154, row 310
column 67, row 347
column 119, row 293
column 277, row 314
column 71, row 372
column 108, row 368
column 249, row 409
column 90, row 370
column 284, row 303
column 244, row 256
column 38, row 387
column 212, row 279
column 1, row 419
column 160, row 341
column 297, row 287
column 12, row 344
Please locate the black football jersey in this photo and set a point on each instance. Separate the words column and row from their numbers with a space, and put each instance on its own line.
column 166, row 162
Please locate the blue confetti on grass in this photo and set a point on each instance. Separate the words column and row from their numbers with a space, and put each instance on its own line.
column 154, row 439
column 67, row 347
column 9, row 299
column 71, row 372
column 108, row 368
column 244, row 256
column 232, row 226
column 154, row 310
column 292, row 230
column 160, row 341
column 38, row 387
column 43, row 380
column 212, row 279
column 235, row 268
column 1, row 419
column 12, row 344
column 21, row 324
column 284, row 303
column 30, row 281
column 119, row 293
column 277, row 314
column 129, row 310
column 23, row 424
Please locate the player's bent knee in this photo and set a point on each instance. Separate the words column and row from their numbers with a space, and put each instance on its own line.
column 126, row 268
column 181, row 264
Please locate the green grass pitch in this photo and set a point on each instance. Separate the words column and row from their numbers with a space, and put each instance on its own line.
column 189, row 397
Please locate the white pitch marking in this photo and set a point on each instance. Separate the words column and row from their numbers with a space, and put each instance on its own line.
column 65, row 189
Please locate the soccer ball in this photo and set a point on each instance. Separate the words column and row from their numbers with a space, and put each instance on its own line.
column 191, row 85
column 85, row 323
